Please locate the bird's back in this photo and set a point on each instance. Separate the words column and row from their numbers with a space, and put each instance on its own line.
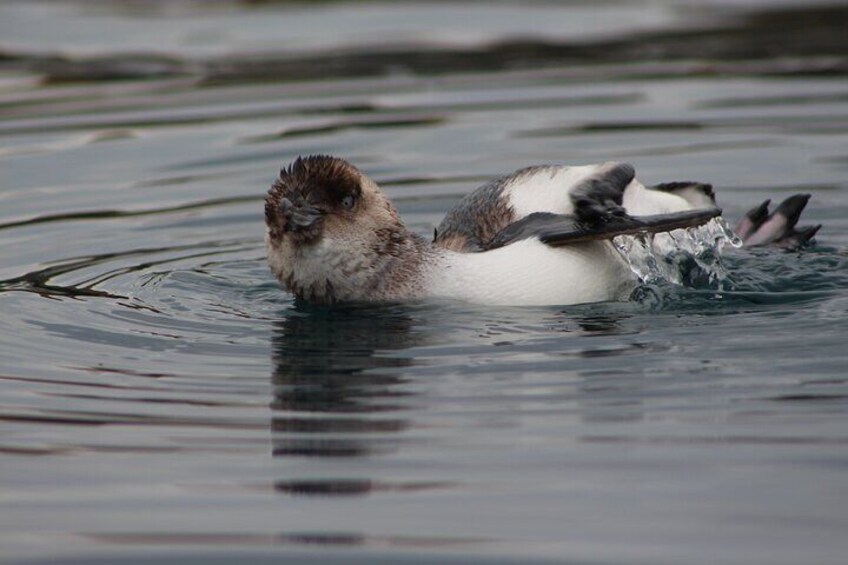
column 474, row 224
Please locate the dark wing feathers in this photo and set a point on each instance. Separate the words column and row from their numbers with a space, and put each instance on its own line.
column 529, row 226
column 681, row 187
column 557, row 230
column 484, row 220
column 628, row 225
column 474, row 223
column 598, row 214
column 599, row 197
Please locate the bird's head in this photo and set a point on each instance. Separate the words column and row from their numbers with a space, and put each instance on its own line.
column 326, row 221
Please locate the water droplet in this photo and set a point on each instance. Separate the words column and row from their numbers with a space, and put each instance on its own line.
column 690, row 257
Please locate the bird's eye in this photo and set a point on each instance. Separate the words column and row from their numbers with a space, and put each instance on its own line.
column 348, row 202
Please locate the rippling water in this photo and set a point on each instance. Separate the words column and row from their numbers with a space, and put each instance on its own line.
column 162, row 398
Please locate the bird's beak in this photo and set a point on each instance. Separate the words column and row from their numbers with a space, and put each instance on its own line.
column 298, row 217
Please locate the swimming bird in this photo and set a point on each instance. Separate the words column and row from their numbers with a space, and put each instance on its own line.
column 541, row 235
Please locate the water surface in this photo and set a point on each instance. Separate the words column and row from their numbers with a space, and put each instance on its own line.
column 162, row 398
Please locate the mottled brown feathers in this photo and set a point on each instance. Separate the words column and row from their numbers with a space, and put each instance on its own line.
column 477, row 218
column 334, row 236
column 318, row 180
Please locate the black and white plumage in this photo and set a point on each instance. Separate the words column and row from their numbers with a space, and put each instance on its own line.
column 541, row 235
column 587, row 206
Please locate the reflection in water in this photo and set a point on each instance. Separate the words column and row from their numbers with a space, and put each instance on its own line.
column 219, row 539
column 601, row 324
column 352, row 487
column 332, row 375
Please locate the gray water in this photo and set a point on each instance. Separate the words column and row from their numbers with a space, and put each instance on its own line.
column 162, row 399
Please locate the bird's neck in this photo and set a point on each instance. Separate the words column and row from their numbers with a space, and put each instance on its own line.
column 399, row 260
column 391, row 265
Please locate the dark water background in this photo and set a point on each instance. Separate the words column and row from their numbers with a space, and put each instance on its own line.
column 162, row 398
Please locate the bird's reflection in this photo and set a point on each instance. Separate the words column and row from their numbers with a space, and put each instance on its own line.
column 341, row 388
column 600, row 325
column 337, row 388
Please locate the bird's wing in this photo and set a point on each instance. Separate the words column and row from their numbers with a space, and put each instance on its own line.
column 570, row 204
column 598, row 214
column 557, row 230
column 472, row 223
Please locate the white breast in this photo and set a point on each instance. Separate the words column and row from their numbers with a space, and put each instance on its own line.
column 531, row 273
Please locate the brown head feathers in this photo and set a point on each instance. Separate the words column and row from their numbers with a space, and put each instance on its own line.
column 316, row 185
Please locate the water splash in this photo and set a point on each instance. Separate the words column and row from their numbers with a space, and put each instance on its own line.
column 690, row 257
